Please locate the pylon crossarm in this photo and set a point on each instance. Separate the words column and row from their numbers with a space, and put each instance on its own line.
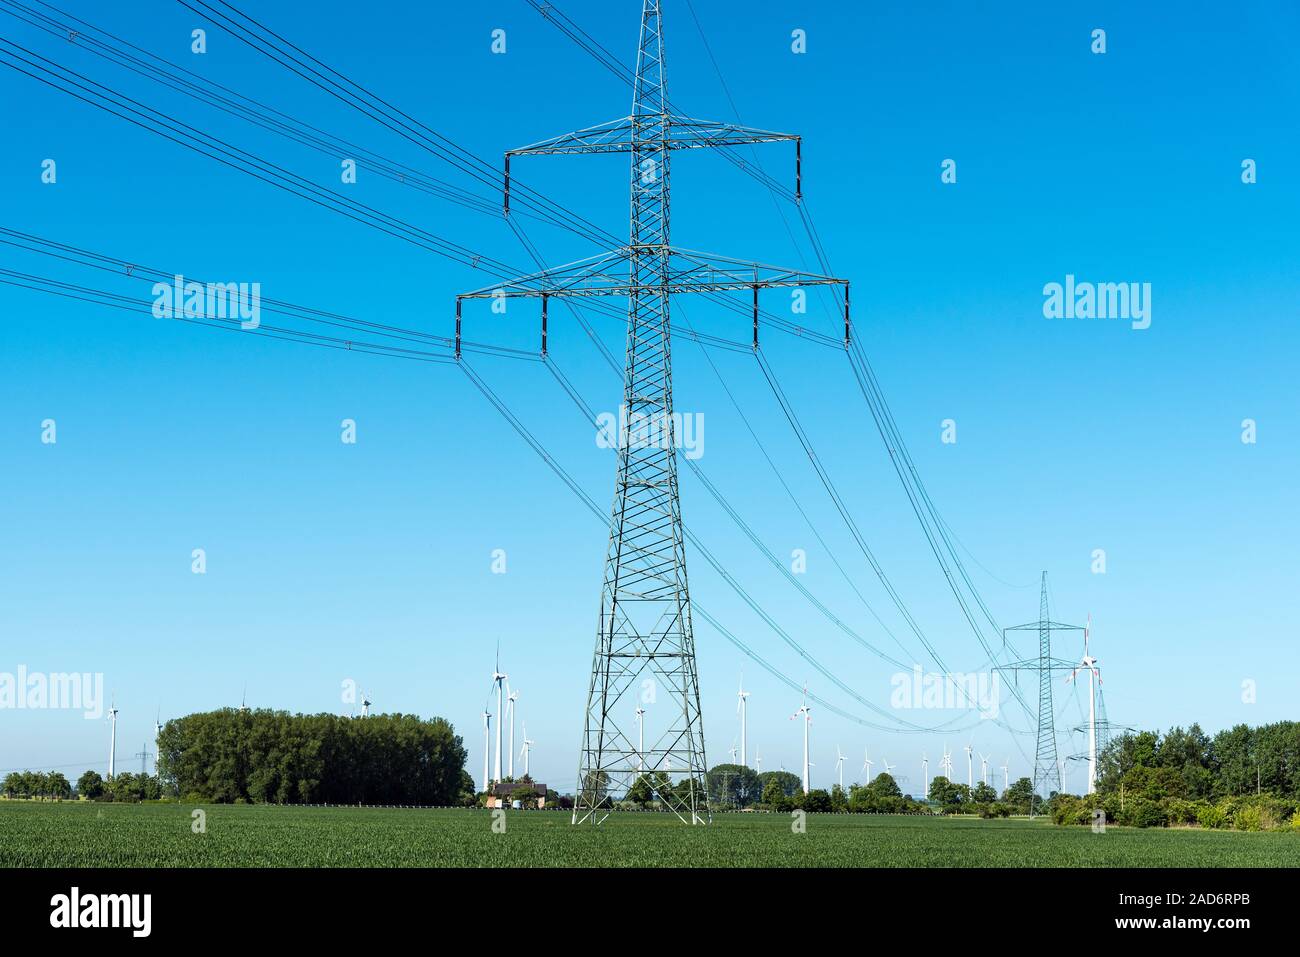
column 688, row 271
column 681, row 132
column 1038, row 626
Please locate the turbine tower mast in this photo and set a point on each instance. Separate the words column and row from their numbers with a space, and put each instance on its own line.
column 112, row 740
column 645, row 631
column 743, row 707
column 499, row 679
column 157, row 737
column 1094, row 678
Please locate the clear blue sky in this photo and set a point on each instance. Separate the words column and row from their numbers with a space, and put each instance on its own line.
column 373, row 562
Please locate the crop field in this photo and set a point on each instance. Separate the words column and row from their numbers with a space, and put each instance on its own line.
column 123, row 835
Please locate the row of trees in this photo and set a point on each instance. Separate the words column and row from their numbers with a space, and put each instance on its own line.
column 733, row 785
column 1245, row 778
column 265, row 756
column 36, row 784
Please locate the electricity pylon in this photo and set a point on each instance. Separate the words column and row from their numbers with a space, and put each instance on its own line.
column 1047, row 770
column 645, row 645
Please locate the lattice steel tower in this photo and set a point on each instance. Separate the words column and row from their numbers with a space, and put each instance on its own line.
column 644, row 637
column 1047, row 770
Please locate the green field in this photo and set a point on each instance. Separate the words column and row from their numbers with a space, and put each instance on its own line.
column 125, row 835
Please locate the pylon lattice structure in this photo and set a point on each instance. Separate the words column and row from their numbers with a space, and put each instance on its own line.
column 1047, row 769
column 644, row 636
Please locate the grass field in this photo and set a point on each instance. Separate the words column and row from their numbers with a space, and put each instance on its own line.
column 123, row 835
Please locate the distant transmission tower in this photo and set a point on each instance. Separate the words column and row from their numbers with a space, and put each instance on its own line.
column 645, row 638
column 1047, row 769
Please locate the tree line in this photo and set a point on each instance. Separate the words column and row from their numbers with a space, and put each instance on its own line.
column 1243, row 777
column 265, row 756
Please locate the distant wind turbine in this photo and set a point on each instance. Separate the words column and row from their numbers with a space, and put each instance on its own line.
column 1094, row 674
column 499, row 679
column 528, row 744
column 512, row 695
column 839, row 765
column 805, row 713
column 742, row 708
column 112, row 739
column 866, row 765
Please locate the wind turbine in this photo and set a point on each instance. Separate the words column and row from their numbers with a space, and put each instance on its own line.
column 243, row 700
column 866, row 765
column 806, row 713
column 888, row 767
column 528, row 743
column 499, row 679
column 365, row 705
column 733, row 752
column 1005, row 781
column 984, row 768
column 970, row 768
column 946, row 763
column 487, row 747
column 112, row 740
column 157, row 734
column 925, row 774
column 1094, row 674
column 512, row 695
column 742, row 709
column 758, row 762
column 640, row 738
column 839, row 765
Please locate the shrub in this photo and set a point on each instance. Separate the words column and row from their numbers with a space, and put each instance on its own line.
column 1250, row 818
column 1182, row 812
column 1211, row 816
column 1141, row 812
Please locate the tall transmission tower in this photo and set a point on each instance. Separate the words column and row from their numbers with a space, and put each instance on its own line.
column 1047, row 769
column 644, row 637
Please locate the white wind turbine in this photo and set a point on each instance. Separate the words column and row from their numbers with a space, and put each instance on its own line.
column 925, row 773
column 970, row 768
column 499, row 679
column 1094, row 675
column 487, row 747
column 806, row 713
column 946, row 763
column 758, row 762
column 742, row 708
column 866, row 765
column 365, row 705
column 528, row 744
column 1005, row 780
column 839, row 765
column 984, row 768
column 888, row 767
column 112, row 739
column 157, row 733
column 640, row 738
column 733, row 752
column 512, row 695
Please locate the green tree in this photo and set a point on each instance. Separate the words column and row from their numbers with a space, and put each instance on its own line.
column 90, row 785
column 883, row 785
column 13, row 785
column 817, row 800
column 1018, row 795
